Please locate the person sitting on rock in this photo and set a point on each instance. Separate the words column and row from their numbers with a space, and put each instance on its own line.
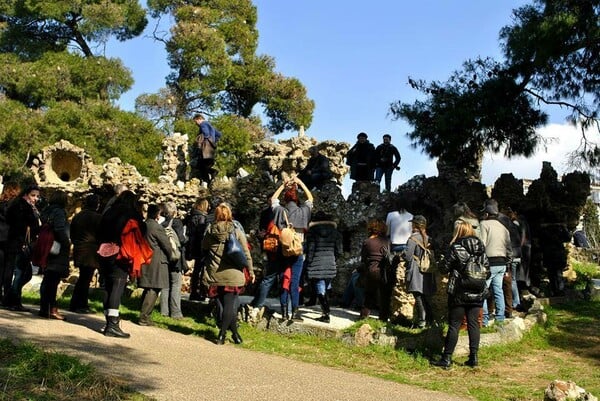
column 317, row 171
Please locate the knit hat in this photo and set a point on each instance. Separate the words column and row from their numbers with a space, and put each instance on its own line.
column 419, row 219
column 490, row 206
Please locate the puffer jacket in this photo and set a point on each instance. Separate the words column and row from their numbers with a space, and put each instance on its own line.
column 323, row 245
column 459, row 254
column 220, row 270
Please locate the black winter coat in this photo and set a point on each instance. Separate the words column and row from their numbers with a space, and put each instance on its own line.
column 323, row 245
column 459, row 254
column 57, row 218
column 84, row 235
column 19, row 216
column 196, row 224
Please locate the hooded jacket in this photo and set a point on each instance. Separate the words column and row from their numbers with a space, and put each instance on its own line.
column 220, row 270
column 323, row 245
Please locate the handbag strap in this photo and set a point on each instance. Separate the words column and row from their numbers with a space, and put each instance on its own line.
column 287, row 223
column 422, row 245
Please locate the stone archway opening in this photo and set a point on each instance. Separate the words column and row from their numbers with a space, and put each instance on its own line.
column 63, row 166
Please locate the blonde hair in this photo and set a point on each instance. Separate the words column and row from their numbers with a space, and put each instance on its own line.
column 422, row 229
column 462, row 229
column 223, row 213
column 201, row 205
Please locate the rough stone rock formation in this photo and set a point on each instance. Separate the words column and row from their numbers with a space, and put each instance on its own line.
column 65, row 166
column 68, row 167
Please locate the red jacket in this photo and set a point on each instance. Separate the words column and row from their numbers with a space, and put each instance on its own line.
column 134, row 248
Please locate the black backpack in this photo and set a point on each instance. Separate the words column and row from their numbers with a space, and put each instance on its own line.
column 474, row 275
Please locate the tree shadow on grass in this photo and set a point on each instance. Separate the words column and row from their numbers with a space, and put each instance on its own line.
column 578, row 330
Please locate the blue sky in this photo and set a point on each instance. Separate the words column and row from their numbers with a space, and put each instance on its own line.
column 355, row 58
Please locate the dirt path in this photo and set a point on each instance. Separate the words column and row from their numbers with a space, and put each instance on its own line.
column 172, row 366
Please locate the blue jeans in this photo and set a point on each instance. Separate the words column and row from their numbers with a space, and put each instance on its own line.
column 353, row 293
column 297, row 263
column 496, row 283
column 23, row 274
column 320, row 286
column 170, row 298
column 397, row 248
column 263, row 290
column 387, row 171
column 516, row 300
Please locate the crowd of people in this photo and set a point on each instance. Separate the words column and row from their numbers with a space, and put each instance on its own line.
column 125, row 244
column 487, row 262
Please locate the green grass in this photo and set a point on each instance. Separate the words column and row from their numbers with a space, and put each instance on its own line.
column 585, row 273
column 29, row 373
column 566, row 348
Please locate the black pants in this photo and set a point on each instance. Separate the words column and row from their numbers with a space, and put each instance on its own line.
column 197, row 291
column 48, row 290
column 423, row 309
column 455, row 318
column 204, row 170
column 228, row 304
column 6, row 272
column 116, row 281
column 149, row 297
column 79, row 300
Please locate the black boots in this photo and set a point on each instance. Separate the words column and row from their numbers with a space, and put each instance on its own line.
column 445, row 362
column 221, row 339
column 296, row 316
column 285, row 315
column 237, row 339
column 112, row 328
column 472, row 361
column 324, row 318
column 324, row 308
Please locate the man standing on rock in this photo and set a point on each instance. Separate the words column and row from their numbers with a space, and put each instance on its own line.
column 202, row 159
column 360, row 159
column 387, row 159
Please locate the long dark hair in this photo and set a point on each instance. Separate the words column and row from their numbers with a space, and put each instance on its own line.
column 58, row 198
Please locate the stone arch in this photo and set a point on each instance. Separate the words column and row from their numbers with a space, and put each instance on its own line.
column 63, row 166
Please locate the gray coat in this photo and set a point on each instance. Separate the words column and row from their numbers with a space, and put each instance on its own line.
column 156, row 274
column 423, row 283
column 323, row 245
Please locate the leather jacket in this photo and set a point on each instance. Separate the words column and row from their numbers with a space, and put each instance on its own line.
column 462, row 252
